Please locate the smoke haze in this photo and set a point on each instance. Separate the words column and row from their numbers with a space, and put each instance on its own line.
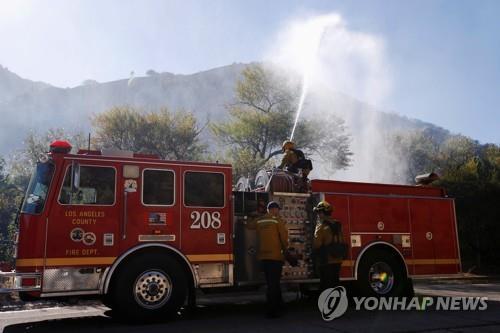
column 334, row 60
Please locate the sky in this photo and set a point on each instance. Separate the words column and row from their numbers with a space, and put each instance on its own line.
column 444, row 56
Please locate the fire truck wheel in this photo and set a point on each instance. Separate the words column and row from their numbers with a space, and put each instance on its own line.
column 107, row 300
column 380, row 273
column 149, row 287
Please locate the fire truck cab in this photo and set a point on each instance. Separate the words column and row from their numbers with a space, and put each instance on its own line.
column 145, row 233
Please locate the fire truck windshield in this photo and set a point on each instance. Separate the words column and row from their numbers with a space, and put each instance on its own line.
column 38, row 188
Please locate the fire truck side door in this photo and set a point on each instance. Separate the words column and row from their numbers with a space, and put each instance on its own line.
column 151, row 209
column 83, row 226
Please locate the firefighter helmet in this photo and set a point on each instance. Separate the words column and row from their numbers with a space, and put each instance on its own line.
column 287, row 144
column 273, row 204
column 323, row 206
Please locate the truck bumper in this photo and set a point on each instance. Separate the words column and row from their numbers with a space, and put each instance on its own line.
column 12, row 281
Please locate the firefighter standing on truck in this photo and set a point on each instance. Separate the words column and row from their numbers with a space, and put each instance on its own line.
column 294, row 159
column 290, row 158
column 327, row 235
column 273, row 243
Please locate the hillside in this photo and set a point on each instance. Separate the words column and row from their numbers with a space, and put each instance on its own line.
column 12, row 86
column 26, row 105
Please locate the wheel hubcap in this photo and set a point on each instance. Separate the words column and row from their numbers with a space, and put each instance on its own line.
column 381, row 278
column 152, row 289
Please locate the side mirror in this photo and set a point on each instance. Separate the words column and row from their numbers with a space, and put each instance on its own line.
column 75, row 176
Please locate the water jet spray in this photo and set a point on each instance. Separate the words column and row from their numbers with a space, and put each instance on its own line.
column 308, row 68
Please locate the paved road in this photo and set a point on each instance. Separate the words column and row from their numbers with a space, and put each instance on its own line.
column 244, row 314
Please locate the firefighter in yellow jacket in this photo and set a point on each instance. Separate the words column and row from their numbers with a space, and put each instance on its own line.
column 293, row 159
column 290, row 158
column 328, row 232
column 273, row 242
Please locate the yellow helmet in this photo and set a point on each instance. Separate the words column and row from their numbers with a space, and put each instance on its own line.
column 287, row 144
column 323, row 206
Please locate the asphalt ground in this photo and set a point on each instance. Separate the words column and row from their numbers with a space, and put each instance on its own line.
column 244, row 312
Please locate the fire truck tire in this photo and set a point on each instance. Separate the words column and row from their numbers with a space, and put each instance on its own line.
column 381, row 273
column 107, row 300
column 149, row 287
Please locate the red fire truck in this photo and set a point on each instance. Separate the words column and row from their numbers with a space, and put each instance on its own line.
column 145, row 233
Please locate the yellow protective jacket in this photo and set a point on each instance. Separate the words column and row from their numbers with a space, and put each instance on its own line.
column 323, row 236
column 272, row 236
column 289, row 159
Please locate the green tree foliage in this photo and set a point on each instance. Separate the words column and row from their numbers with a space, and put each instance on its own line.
column 455, row 153
column 420, row 154
column 471, row 177
column 120, row 128
column 10, row 198
column 170, row 135
column 332, row 143
column 263, row 116
column 23, row 160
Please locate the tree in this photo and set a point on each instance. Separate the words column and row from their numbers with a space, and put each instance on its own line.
column 23, row 160
column 455, row 153
column 263, row 116
column 419, row 150
column 10, row 198
column 173, row 135
column 427, row 150
column 170, row 135
column 472, row 181
column 333, row 143
column 120, row 127
column 490, row 153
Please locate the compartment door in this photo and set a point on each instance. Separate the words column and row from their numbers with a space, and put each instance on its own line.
column 422, row 237
column 206, row 230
